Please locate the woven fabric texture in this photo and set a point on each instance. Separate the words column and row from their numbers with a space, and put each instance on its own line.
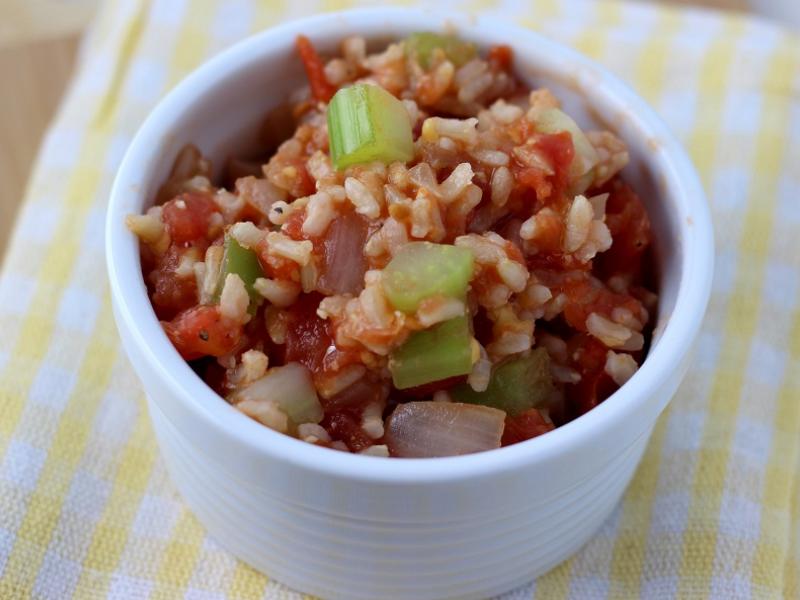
column 86, row 508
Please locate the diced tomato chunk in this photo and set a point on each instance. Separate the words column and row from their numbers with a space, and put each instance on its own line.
column 588, row 356
column 346, row 426
column 201, row 331
column 276, row 267
column 302, row 184
column 188, row 217
column 525, row 426
column 557, row 150
column 308, row 338
column 171, row 293
column 315, row 70
column 585, row 295
column 501, row 55
column 293, row 227
column 629, row 225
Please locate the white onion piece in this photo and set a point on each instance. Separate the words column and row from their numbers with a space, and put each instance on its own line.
column 343, row 265
column 291, row 387
column 429, row 429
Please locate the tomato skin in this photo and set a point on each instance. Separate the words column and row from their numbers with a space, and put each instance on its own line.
column 525, row 426
column 276, row 267
column 561, row 150
column 293, row 227
column 585, row 295
column 629, row 225
column 345, row 425
column 303, row 184
column 187, row 217
column 315, row 70
column 588, row 357
column 501, row 55
column 201, row 331
column 171, row 294
column 558, row 150
column 308, row 338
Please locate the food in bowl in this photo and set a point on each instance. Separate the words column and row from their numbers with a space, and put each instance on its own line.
column 437, row 261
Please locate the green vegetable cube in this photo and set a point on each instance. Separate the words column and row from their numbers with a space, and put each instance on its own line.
column 517, row 385
column 244, row 263
column 367, row 124
column 422, row 269
column 442, row 351
column 422, row 44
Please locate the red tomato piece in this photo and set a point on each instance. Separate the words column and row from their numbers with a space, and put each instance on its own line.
column 629, row 225
column 293, row 227
column 557, row 149
column 315, row 70
column 188, row 217
column 276, row 267
column 585, row 295
column 588, row 357
column 308, row 338
column 170, row 293
column 501, row 55
column 525, row 426
column 561, row 151
column 346, row 426
column 201, row 331
column 303, row 184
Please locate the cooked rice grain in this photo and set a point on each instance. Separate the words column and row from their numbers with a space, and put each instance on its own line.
column 278, row 292
column 620, row 367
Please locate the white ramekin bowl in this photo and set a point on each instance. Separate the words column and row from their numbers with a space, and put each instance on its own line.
column 347, row 526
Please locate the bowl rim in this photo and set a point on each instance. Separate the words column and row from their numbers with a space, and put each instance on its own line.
column 134, row 311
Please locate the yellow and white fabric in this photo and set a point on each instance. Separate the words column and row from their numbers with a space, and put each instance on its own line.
column 86, row 508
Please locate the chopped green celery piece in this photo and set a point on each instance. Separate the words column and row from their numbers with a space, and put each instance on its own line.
column 517, row 385
column 422, row 44
column 367, row 124
column 244, row 263
column 444, row 350
column 553, row 120
column 420, row 270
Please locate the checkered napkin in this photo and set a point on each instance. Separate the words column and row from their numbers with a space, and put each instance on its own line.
column 86, row 508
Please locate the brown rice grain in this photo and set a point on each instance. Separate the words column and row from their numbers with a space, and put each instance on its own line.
column 278, row 292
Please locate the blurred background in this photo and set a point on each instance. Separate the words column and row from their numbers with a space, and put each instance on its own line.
column 39, row 42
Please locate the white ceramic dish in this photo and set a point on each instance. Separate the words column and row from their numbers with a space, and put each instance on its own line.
column 347, row 526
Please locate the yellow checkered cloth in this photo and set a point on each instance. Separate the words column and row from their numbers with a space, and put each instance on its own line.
column 86, row 508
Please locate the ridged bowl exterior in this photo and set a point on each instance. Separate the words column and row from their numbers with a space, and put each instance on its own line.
column 355, row 527
column 347, row 557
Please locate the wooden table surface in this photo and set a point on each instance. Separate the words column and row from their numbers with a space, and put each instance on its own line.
column 38, row 43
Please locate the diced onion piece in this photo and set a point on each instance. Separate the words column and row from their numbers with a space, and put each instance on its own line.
column 291, row 387
column 431, row 429
column 433, row 354
column 367, row 124
column 343, row 261
column 421, row 45
column 553, row 120
column 517, row 385
column 420, row 270
column 244, row 263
